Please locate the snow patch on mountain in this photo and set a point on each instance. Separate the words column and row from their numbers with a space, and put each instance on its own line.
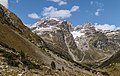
column 77, row 34
column 40, row 30
column 54, row 19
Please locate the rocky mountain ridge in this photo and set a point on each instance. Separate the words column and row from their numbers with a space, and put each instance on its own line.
column 85, row 44
column 57, row 34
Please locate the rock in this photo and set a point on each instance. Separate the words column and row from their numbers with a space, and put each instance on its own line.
column 82, row 44
column 56, row 34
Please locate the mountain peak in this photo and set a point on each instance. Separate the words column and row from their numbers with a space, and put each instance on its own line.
column 50, row 24
column 88, row 25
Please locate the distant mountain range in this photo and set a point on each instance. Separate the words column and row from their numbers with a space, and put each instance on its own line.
column 52, row 47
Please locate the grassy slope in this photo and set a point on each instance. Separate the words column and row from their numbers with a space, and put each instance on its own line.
column 15, row 35
column 19, row 43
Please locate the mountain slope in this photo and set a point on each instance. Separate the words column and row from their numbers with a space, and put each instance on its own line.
column 83, row 44
column 58, row 38
column 97, row 45
column 15, row 35
column 112, row 65
column 114, row 59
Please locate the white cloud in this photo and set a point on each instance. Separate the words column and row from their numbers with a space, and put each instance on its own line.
column 34, row 16
column 4, row 3
column 17, row 1
column 52, row 12
column 74, row 8
column 99, row 5
column 91, row 2
column 97, row 13
column 60, row 2
column 106, row 27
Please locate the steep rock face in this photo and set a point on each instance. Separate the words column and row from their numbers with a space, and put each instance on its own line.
column 114, row 59
column 96, row 44
column 83, row 44
column 58, row 37
column 114, row 37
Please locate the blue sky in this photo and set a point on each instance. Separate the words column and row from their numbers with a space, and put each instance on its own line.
column 76, row 11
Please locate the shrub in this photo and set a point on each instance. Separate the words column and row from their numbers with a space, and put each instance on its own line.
column 13, row 63
column 11, row 59
column 22, row 54
column 53, row 66
column 30, row 64
column 63, row 69
column 1, row 50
